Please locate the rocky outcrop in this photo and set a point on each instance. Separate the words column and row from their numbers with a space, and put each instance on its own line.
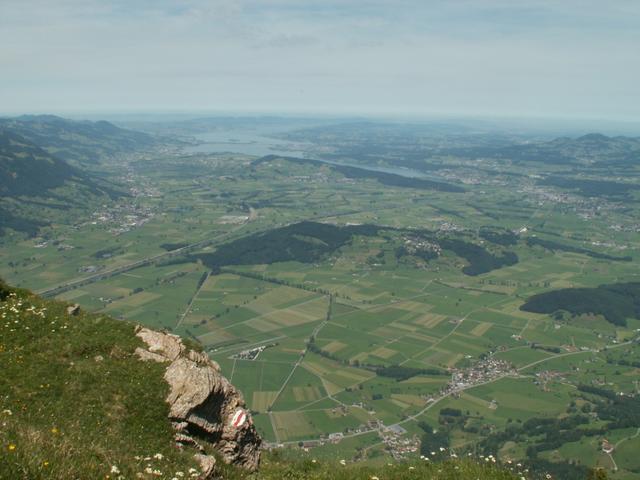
column 204, row 406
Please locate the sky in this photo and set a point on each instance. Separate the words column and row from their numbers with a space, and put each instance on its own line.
column 520, row 58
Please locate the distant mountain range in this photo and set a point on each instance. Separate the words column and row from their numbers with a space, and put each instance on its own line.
column 409, row 145
column 77, row 141
column 27, row 169
column 593, row 148
column 40, row 154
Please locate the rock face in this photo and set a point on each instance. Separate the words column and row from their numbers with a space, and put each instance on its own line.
column 204, row 406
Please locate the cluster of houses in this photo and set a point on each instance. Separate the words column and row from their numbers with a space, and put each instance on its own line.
column 483, row 371
column 252, row 353
column 450, row 227
column 417, row 244
column 121, row 218
column 397, row 443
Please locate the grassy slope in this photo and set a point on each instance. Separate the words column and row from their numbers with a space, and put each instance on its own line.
column 66, row 413
column 75, row 402
column 275, row 469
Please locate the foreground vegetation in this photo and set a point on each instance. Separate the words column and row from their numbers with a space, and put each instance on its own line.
column 76, row 403
column 276, row 468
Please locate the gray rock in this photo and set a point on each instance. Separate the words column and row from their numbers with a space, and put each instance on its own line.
column 203, row 405
column 207, row 464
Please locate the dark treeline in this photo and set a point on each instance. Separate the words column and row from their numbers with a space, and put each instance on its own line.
column 547, row 434
column 400, row 372
column 173, row 246
column 432, row 439
column 309, row 242
column 623, row 362
column 26, row 169
column 591, row 188
column 20, row 224
column 546, row 348
column 277, row 281
column 553, row 246
column 480, row 260
column 603, row 392
column 305, row 242
column 108, row 252
column 621, row 412
column 615, row 302
column 505, row 238
column 425, row 255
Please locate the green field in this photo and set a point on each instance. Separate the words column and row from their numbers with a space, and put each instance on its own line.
column 330, row 323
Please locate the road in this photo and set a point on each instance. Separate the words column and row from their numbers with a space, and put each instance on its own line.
column 193, row 299
column 57, row 290
column 75, row 283
column 437, row 400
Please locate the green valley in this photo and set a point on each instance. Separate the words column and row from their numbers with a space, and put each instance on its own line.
column 370, row 314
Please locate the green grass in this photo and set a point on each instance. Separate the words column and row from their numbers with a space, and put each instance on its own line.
column 77, row 403
column 74, row 399
column 310, row 469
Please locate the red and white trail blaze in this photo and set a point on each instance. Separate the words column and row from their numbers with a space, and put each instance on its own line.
column 239, row 418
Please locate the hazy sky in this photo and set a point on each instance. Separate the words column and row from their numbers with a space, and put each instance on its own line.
column 480, row 57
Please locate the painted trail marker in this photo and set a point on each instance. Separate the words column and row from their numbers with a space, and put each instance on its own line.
column 239, row 418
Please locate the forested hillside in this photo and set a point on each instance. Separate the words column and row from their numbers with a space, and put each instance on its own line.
column 77, row 141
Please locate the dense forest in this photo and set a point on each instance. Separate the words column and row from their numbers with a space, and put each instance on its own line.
column 590, row 188
column 506, row 238
column 78, row 141
column 615, row 302
column 26, row 169
column 305, row 242
column 555, row 246
column 480, row 260
column 309, row 242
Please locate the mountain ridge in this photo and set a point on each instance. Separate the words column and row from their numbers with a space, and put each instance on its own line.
column 80, row 141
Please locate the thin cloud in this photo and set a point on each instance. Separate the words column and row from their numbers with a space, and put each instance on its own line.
column 575, row 57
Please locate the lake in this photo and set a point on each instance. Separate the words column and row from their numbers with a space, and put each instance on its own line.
column 253, row 143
